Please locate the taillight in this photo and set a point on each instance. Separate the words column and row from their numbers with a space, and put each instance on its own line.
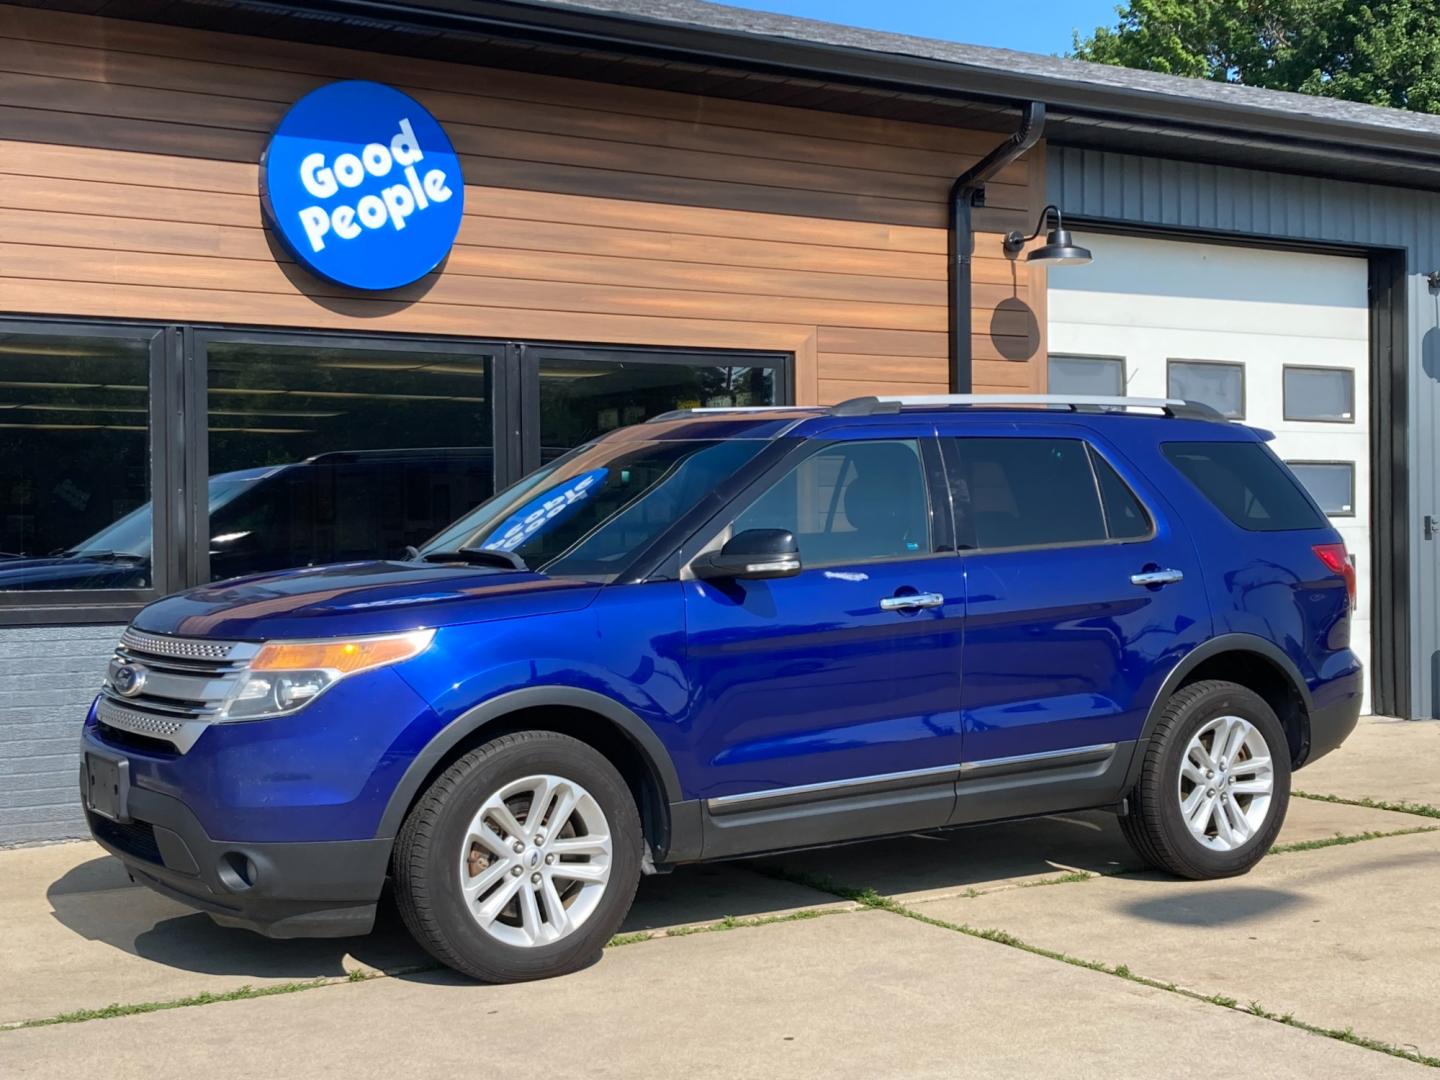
column 1337, row 559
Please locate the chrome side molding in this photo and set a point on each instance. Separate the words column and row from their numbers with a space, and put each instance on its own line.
column 879, row 782
column 750, row 800
column 1046, row 759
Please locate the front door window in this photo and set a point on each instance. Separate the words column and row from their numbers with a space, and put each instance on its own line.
column 850, row 503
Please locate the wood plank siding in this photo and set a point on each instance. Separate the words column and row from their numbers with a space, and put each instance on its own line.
column 594, row 214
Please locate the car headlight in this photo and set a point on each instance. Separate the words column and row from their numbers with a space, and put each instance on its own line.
column 285, row 676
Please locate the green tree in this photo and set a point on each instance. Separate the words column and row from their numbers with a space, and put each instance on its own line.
column 1384, row 52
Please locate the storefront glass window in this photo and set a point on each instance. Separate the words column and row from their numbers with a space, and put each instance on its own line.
column 329, row 454
column 582, row 397
column 74, row 462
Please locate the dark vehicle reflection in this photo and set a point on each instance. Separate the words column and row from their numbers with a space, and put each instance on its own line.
column 334, row 507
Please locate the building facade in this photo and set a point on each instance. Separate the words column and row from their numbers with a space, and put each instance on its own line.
column 663, row 207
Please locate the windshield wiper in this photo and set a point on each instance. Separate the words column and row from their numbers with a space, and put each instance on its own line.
column 478, row 557
column 105, row 556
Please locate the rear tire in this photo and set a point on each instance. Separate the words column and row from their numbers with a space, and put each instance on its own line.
column 521, row 860
column 1214, row 783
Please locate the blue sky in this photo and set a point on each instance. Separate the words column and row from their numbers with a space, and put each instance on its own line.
column 1041, row 26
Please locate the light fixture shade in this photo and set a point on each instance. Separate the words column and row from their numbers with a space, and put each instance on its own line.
column 1060, row 249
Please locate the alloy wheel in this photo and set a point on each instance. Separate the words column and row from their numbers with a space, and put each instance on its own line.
column 535, row 861
column 1226, row 783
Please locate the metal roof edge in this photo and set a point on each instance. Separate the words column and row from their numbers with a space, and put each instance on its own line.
column 628, row 31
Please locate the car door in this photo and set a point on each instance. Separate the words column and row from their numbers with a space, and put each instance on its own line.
column 1082, row 591
column 826, row 705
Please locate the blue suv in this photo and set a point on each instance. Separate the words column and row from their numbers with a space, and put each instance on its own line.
column 725, row 632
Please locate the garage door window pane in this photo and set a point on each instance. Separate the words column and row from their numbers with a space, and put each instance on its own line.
column 1099, row 375
column 321, row 455
column 74, row 463
column 1331, row 484
column 1221, row 386
column 581, row 398
column 1320, row 394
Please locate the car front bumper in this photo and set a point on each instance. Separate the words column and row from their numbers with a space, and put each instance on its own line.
column 313, row 889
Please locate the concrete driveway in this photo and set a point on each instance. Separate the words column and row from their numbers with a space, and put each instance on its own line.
column 1011, row 950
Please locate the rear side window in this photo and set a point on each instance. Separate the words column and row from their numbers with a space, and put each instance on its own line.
column 1025, row 493
column 1125, row 516
column 1246, row 484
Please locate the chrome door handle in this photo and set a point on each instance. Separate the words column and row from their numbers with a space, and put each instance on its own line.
column 1157, row 577
column 913, row 600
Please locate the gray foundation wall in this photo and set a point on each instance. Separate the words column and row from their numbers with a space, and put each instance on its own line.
column 48, row 677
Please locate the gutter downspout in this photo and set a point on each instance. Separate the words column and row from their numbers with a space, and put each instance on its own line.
column 967, row 192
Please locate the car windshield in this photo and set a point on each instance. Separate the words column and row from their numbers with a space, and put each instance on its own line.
column 131, row 535
column 589, row 513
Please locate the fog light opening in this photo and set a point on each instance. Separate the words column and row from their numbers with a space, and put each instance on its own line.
column 237, row 871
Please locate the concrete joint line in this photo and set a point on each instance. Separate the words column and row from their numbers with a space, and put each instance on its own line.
column 243, row 993
column 1341, row 839
column 729, row 922
column 1402, row 807
column 870, row 898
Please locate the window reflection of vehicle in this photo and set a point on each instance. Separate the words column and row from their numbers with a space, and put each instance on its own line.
column 118, row 556
column 333, row 507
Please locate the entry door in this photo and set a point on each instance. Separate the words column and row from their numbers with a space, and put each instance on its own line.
column 841, row 683
column 1066, row 646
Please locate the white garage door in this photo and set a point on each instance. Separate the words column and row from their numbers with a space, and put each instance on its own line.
column 1275, row 338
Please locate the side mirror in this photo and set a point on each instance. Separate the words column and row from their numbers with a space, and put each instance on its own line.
column 753, row 554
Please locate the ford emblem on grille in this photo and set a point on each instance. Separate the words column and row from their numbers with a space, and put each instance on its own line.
column 128, row 680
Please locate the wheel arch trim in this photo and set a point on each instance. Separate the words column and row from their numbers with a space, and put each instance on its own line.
column 495, row 709
column 1225, row 643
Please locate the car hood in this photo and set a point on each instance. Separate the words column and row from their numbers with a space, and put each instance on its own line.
column 360, row 598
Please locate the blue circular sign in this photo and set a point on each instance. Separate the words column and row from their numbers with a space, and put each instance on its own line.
column 363, row 186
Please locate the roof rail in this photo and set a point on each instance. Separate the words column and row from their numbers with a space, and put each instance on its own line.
column 874, row 405
column 1176, row 407
column 711, row 410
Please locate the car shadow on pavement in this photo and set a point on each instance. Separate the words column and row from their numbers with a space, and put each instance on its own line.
column 97, row 901
column 1231, row 905
column 979, row 858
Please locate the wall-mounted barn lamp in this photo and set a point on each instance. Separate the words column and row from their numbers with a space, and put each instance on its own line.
column 1059, row 248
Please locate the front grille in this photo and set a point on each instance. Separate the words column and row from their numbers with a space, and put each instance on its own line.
column 135, row 838
column 184, row 684
column 140, row 744
column 182, row 648
column 118, row 716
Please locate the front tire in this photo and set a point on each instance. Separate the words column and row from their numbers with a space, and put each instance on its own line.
column 1214, row 783
column 521, row 860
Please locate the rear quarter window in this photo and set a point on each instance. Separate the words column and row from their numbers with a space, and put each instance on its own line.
column 1246, row 483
